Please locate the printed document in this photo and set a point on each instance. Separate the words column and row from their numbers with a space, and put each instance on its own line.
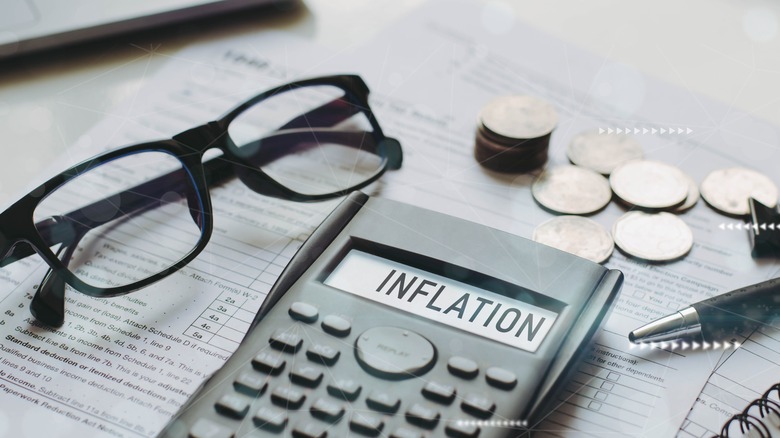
column 122, row 366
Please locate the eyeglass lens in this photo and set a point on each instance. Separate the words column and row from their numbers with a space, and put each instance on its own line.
column 112, row 227
column 308, row 161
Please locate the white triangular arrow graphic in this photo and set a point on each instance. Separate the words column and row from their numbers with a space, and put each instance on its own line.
column 688, row 130
column 601, row 130
column 644, row 130
column 609, row 131
column 654, row 130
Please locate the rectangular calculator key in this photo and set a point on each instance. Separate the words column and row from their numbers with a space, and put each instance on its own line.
column 270, row 418
column 423, row 416
column 233, row 405
column 306, row 375
column 250, row 383
column 288, row 397
column 286, row 341
column 366, row 423
column 309, row 430
column 268, row 362
column 327, row 410
column 346, row 389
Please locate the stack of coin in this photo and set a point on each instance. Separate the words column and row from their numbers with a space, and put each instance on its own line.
column 514, row 133
column 728, row 190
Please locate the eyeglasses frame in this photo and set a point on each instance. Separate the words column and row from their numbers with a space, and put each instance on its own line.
column 189, row 147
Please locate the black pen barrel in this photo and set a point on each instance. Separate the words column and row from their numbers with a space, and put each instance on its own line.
column 740, row 310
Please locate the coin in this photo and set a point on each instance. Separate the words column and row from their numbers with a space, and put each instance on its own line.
column 649, row 184
column 692, row 198
column 571, row 190
column 655, row 237
column 728, row 190
column 519, row 117
column 576, row 235
column 603, row 152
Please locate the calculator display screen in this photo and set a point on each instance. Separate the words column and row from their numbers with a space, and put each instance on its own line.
column 444, row 300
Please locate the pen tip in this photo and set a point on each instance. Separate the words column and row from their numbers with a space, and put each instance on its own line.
column 632, row 337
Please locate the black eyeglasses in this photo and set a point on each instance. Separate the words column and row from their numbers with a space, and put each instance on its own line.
column 132, row 216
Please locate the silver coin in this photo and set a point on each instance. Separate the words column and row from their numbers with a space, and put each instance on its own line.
column 571, row 190
column 656, row 237
column 692, row 198
column 603, row 152
column 576, row 235
column 519, row 117
column 728, row 190
column 649, row 184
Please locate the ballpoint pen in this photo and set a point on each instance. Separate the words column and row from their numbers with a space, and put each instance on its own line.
column 717, row 318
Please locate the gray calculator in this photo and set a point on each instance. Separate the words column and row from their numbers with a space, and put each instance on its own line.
column 396, row 321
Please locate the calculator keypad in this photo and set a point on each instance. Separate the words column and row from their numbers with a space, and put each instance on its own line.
column 292, row 371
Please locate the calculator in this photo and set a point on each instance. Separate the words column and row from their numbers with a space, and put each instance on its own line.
column 397, row 321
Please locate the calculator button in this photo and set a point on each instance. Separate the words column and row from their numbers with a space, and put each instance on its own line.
column 403, row 432
column 250, row 383
column 304, row 312
column 270, row 418
column 233, row 405
column 366, row 424
column 323, row 354
column 306, row 375
column 286, row 341
column 287, row 397
column 336, row 326
column 439, row 392
column 346, row 389
column 500, row 378
column 309, row 430
column 327, row 410
column 459, row 429
column 423, row 416
column 462, row 367
column 478, row 405
column 268, row 363
column 205, row 428
column 392, row 352
column 383, row 402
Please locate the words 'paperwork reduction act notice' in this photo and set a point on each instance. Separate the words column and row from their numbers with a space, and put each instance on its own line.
column 123, row 366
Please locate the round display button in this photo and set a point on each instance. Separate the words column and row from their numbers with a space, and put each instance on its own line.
column 394, row 353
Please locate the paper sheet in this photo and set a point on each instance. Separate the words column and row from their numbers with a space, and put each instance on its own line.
column 743, row 376
column 429, row 74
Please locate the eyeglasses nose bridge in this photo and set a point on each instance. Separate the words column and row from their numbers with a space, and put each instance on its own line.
column 203, row 137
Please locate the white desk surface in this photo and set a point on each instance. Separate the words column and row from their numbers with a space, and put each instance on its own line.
column 724, row 49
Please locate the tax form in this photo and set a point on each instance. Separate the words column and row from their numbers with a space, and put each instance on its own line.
column 122, row 366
